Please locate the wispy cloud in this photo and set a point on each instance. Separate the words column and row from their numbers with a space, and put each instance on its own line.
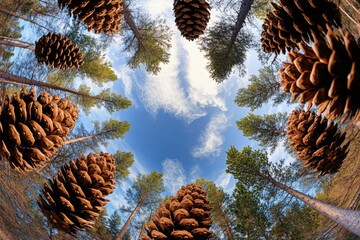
column 173, row 175
column 195, row 173
column 211, row 140
column 280, row 153
column 223, row 180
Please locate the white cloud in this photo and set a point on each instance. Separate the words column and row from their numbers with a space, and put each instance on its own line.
column 223, row 180
column 159, row 7
column 173, row 175
column 164, row 91
column 211, row 140
column 280, row 153
column 195, row 173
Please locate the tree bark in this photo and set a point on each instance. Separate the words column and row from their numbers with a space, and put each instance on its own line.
column 13, row 44
column 9, row 78
column 130, row 22
column 9, row 12
column 85, row 137
column 128, row 221
column 244, row 10
column 349, row 219
column 229, row 233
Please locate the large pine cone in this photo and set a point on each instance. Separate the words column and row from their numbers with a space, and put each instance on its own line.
column 292, row 22
column 317, row 141
column 184, row 216
column 327, row 75
column 58, row 51
column 100, row 16
column 191, row 17
column 31, row 130
column 74, row 199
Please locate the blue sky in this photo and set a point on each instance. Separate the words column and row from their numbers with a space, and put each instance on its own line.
column 182, row 122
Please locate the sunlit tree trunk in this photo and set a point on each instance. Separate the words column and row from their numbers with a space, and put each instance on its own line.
column 14, row 44
column 128, row 221
column 10, row 78
column 14, row 14
column 244, row 10
column 349, row 219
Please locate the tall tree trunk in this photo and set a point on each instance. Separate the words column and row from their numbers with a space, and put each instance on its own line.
column 13, row 44
column 9, row 12
column 130, row 22
column 349, row 219
column 244, row 10
column 128, row 221
column 9, row 78
column 229, row 233
column 86, row 137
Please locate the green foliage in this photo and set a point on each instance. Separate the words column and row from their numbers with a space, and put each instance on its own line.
column 113, row 224
column 262, row 209
column 261, row 89
column 219, row 202
column 113, row 101
column 114, row 129
column 124, row 160
column 268, row 129
column 107, row 99
column 148, row 42
column 251, row 214
column 224, row 56
column 96, row 67
column 298, row 222
column 261, row 8
column 146, row 190
column 246, row 166
column 9, row 28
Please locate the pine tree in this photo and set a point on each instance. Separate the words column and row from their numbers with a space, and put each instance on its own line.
column 109, row 100
column 262, row 89
column 146, row 39
column 145, row 193
column 252, row 168
column 225, row 44
column 269, row 130
column 220, row 211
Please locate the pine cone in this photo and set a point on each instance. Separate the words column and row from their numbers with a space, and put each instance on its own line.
column 327, row 75
column 100, row 16
column 291, row 22
column 31, row 130
column 317, row 141
column 192, row 17
column 74, row 199
column 58, row 51
column 184, row 216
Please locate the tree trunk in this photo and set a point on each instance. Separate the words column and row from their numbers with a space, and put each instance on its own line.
column 9, row 78
column 349, row 219
column 85, row 137
column 9, row 12
column 244, row 10
column 13, row 44
column 130, row 22
column 128, row 221
column 229, row 233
